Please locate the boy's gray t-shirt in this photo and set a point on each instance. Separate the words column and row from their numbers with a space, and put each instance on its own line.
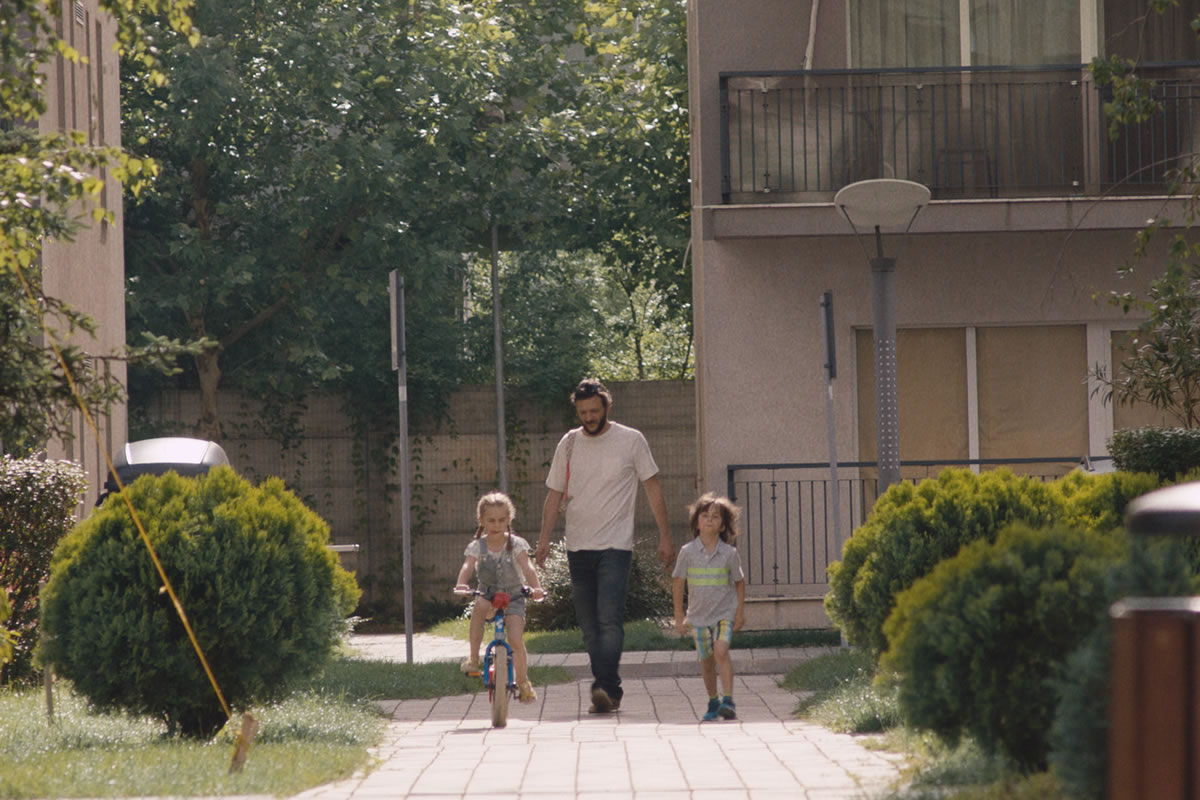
column 711, row 579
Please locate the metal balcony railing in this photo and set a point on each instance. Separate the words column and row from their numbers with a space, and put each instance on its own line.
column 964, row 132
column 790, row 528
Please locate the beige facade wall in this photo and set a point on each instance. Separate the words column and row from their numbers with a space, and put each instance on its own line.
column 1012, row 296
column 89, row 272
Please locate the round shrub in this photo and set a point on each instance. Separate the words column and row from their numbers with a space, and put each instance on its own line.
column 1166, row 452
column 1097, row 501
column 912, row 528
column 1079, row 735
column 648, row 597
column 250, row 566
column 37, row 508
column 976, row 644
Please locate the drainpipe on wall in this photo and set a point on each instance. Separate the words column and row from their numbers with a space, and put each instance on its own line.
column 812, row 34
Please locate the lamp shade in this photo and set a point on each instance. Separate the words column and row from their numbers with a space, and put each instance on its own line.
column 887, row 203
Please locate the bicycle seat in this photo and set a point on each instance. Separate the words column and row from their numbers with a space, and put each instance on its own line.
column 500, row 600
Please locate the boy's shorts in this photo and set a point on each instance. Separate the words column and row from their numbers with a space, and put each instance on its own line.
column 709, row 634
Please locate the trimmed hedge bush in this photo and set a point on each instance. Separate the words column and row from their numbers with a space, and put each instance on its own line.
column 250, row 566
column 976, row 644
column 1079, row 736
column 912, row 528
column 648, row 597
column 1166, row 452
column 1097, row 501
column 37, row 508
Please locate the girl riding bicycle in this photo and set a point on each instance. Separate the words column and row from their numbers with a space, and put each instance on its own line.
column 500, row 560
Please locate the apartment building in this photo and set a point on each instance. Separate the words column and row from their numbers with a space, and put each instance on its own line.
column 89, row 272
column 999, row 286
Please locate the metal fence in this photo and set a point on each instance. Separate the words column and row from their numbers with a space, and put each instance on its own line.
column 964, row 132
column 791, row 529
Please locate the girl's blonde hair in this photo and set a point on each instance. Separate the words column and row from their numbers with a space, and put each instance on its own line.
column 495, row 499
column 729, row 515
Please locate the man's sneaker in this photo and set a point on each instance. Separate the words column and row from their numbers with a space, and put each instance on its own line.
column 601, row 702
column 470, row 667
column 727, row 710
column 713, row 710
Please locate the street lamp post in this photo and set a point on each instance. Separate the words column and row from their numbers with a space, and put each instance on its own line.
column 884, row 204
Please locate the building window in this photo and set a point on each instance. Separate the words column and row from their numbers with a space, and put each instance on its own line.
column 954, row 33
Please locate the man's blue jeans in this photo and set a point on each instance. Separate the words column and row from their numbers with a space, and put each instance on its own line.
column 600, row 579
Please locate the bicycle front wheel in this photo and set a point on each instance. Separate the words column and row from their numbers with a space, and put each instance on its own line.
column 500, row 687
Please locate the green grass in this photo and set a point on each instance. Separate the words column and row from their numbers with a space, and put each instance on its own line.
column 319, row 734
column 842, row 695
column 367, row 679
column 648, row 635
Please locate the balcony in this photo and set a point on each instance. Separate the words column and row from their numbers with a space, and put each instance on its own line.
column 966, row 133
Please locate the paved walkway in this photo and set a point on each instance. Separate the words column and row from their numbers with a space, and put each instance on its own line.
column 654, row 748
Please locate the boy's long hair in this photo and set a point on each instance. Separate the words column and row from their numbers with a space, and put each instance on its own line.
column 729, row 515
column 495, row 499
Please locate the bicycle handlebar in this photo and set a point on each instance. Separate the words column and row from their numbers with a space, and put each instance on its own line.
column 526, row 591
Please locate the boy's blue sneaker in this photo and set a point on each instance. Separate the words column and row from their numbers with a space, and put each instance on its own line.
column 726, row 710
column 713, row 710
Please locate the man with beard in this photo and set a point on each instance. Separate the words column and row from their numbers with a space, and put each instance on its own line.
column 594, row 477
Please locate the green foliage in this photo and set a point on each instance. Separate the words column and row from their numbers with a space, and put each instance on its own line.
column 1078, row 738
column 37, row 508
column 648, row 597
column 50, row 185
column 1166, row 452
column 7, row 637
column 1164, row 368
column 310, row 146
column 912, row 528
column 843, row 695
column 975, row 644
column 1097, row 501
column 635, row 176
column 250, row 566
column 361, row 679
column 304, row 741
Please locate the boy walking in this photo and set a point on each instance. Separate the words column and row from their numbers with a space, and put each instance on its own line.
column 716, row 592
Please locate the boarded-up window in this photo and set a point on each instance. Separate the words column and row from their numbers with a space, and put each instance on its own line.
column 932, row 389
column 1032, row 391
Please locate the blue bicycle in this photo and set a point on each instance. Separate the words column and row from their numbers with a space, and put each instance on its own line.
column 497, row 658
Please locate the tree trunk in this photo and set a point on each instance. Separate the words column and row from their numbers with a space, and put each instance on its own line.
column 208, row 369
column 208, row 372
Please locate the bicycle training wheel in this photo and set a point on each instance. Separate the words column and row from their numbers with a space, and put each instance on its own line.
column 499, row 691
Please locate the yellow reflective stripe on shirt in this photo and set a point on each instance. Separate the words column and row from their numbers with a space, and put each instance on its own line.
column 708, row 576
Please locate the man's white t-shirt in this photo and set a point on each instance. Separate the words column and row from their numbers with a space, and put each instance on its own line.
column 605, row 473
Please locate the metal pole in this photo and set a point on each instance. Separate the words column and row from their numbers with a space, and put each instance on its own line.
column 887, row 404
column 501, row 447
column 830, row 374
column 400, row 364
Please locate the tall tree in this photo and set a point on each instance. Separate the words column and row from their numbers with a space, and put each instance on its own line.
column 633, row 174
column 310, row 146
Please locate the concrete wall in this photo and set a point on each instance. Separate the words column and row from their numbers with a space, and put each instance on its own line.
column 451, row 465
